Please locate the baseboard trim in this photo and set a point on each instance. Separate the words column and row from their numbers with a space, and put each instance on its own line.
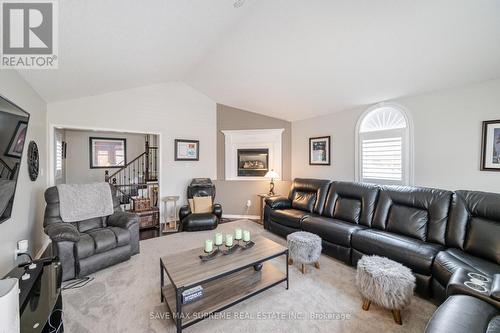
column 250, row 217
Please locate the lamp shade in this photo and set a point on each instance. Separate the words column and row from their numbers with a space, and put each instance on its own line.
column 272, row 174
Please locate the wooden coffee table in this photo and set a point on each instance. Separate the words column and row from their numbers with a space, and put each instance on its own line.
column 226, row 280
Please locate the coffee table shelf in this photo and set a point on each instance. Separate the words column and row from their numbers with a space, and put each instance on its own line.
column 224, row 292
column 226, row 280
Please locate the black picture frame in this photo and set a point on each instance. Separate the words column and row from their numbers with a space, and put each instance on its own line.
column 177, row 152
column 91, row 158
column 7, row 213
column 484, row 145
column 318, row 139
column 21, row 125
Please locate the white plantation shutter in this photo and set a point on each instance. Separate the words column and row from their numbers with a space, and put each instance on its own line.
column 59, row 155
column 383, row 152
column 382, row 159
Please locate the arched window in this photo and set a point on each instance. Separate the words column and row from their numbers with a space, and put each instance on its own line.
column 383, row 142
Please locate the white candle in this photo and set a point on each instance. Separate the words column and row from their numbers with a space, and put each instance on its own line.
column 218, row 239
column 209, row 246
column 237, row 234
column 229, row 240
column 246, row 235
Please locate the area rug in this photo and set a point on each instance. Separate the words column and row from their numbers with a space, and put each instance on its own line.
column 126, row 298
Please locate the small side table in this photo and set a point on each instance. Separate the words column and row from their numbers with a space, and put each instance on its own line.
column 262, row 200
column 170, row 218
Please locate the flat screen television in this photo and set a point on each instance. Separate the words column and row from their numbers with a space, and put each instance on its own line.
column 13, row 129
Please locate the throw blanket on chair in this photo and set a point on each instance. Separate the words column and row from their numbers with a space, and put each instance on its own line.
column 79, row 202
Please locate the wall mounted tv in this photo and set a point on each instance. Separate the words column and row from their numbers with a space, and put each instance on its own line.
column 13, row 129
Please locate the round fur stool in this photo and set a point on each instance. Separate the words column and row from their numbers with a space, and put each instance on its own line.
column 304, row 248
column 386, row 283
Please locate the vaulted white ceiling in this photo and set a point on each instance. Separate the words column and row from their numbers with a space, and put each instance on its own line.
column 290, row 59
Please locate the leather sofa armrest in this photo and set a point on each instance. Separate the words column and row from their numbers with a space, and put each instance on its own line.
column 184, row 211
column 62, row 232
column 495, row 287
column 123, row 220
column 218, row 210
column 278, row 202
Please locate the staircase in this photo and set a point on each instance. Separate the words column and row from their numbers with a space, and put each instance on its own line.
column 137, row 185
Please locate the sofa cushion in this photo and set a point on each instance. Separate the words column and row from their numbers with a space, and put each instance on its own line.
column 104, row 239
column 85, row 247
column 331, row 230
column 413, row 253
column 318, row 189
column 122, row 236
column 202, row 205
column 98, row 222
column 351, row 202
column 304, row 200
column 288, row 217
column 402, row 206
column 462, row 314
column 474, row 224
column 347, row 209
column 483, row 238
column 448, row 261
column 408, row 221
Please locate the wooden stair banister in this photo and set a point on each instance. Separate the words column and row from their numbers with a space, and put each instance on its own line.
column 136, row 185
column 125, row 166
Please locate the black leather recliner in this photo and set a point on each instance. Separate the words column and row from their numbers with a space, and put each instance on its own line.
column 284, row 215
column 349, row 208
column 464, row 314
column 472, row 238
column 200, row 187
column 85, row 247
column 409, row 227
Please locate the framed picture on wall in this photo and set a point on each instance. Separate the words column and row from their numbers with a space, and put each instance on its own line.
column 490, row 150
column 187, row 150
column 319, row 150
column 107, row 152
column 16, row 144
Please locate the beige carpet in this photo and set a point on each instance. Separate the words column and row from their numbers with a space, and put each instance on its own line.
column 126, row 298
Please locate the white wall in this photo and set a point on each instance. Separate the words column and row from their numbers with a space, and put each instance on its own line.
column 173, row 110
column 447, row 126
column 27, row 214
column 78, row 169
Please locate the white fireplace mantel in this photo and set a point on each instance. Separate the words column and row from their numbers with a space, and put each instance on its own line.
column 252, row 139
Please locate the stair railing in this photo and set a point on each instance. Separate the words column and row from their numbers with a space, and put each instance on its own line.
column 138, row 179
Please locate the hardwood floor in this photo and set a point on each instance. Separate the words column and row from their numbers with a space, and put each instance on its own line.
column 154, row 232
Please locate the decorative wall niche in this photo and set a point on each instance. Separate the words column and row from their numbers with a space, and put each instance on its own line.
column 238, row 141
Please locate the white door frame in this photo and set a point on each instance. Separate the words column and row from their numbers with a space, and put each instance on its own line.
column 52, row 153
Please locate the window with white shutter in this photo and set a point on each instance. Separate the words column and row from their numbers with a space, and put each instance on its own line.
column 383, row 154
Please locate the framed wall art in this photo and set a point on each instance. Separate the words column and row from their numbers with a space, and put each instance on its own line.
column 490, row 150
column 107, row 152
column 16, row 144
column 187, row 150
column 319, row 150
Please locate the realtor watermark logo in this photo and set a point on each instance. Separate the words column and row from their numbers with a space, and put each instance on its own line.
column 29, row 34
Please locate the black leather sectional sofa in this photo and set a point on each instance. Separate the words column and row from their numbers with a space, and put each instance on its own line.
column 433, row 232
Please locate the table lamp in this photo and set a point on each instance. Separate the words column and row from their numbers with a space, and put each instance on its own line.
column 272, row 175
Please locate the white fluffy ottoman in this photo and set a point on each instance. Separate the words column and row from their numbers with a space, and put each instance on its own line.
column 304, row 248
column 386, row 283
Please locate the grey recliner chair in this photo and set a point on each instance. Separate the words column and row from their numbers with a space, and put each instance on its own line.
column 85, row 247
